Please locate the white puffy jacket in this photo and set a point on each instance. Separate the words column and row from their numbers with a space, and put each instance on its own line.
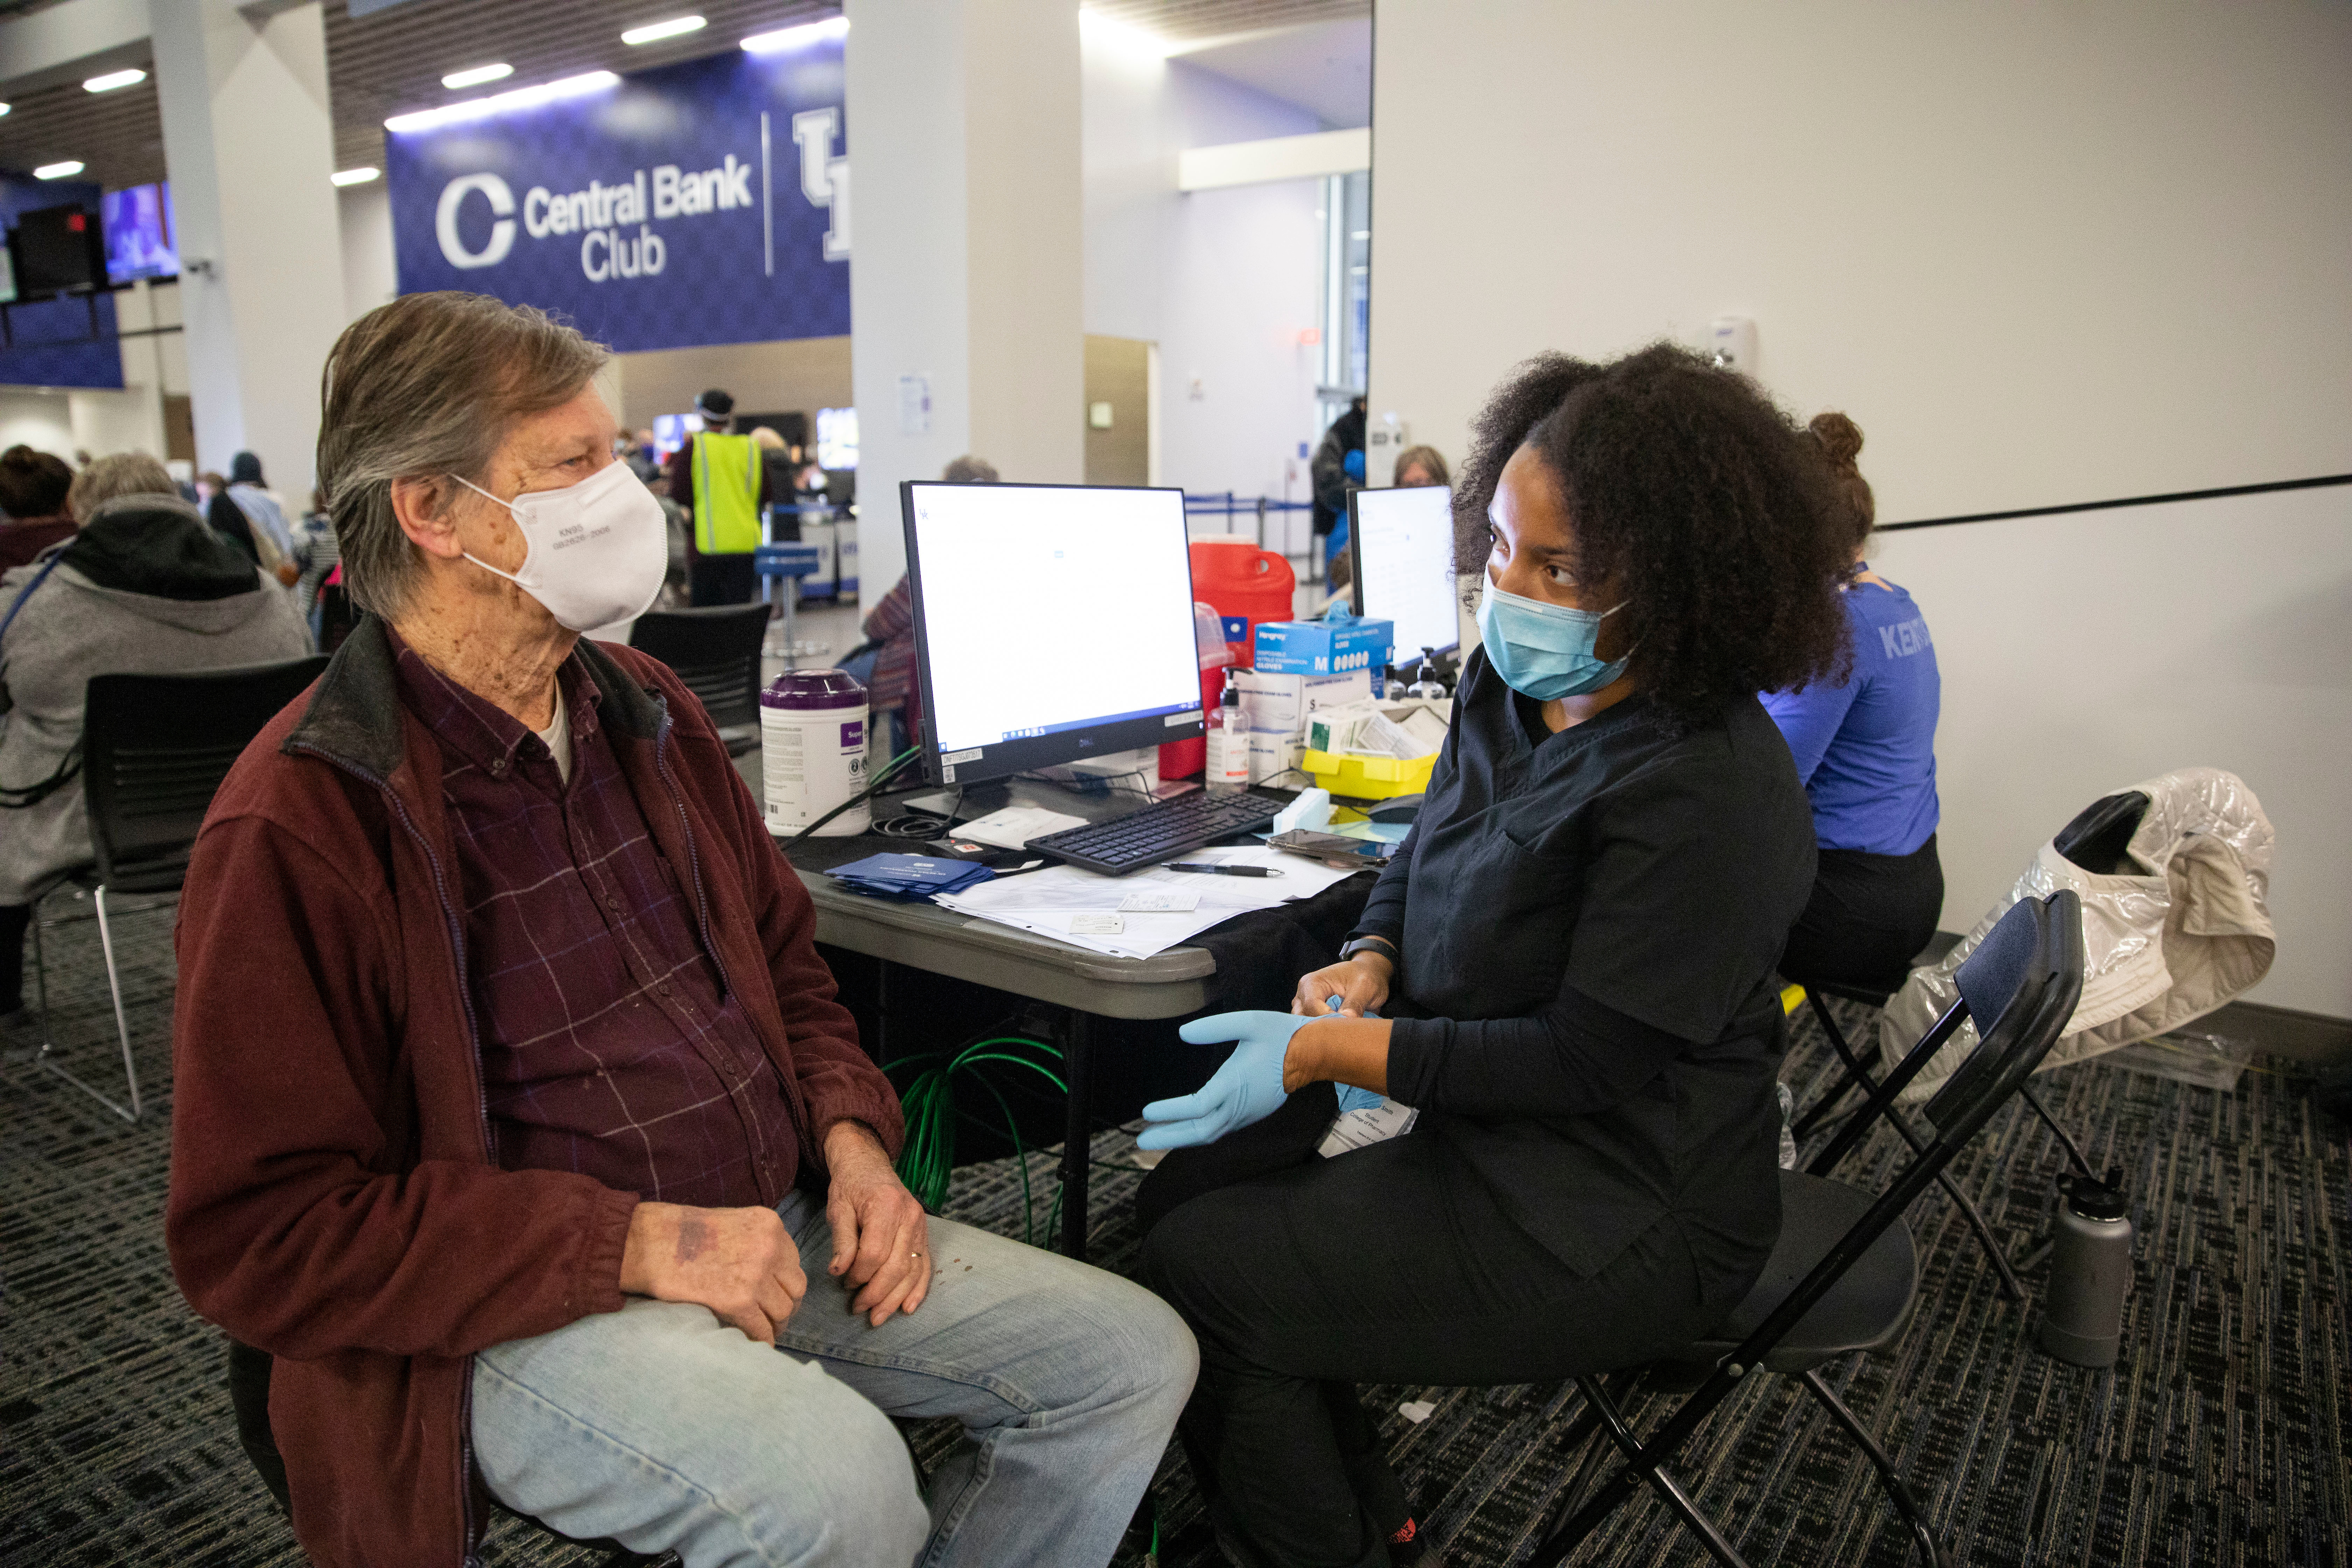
column 2162, row 948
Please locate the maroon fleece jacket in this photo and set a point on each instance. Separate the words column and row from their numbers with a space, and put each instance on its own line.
column 333, row 1200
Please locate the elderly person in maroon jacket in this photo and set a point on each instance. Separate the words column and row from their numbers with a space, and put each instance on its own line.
column 514, row 1114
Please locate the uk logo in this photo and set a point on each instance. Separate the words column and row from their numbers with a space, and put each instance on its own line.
column 824, row 179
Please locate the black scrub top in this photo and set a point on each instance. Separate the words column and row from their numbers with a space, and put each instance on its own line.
column 1585, row 1002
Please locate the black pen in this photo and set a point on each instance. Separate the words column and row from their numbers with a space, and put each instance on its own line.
column 1209, row 870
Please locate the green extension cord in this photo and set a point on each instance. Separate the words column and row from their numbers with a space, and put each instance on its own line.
column 928, row 1161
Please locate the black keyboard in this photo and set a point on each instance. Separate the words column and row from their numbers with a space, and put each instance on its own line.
column 1148, row 836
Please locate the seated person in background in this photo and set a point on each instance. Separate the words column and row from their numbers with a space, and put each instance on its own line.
column 886, row 665
column 1866, row 749
column 247, row 515
column 142, row 586
column 514, row 1115
column 33, row 487
column 1573, row 954
column 1421, row 466
column 1415, row 467
column 317, row 557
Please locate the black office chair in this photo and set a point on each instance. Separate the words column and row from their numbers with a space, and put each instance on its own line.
column 1844, row 1275
column 716, row 651
column 154, row 750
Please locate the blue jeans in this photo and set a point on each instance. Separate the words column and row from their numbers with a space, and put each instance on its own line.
column 658, row 1428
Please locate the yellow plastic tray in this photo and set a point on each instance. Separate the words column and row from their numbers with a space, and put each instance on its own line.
column 1368, row 778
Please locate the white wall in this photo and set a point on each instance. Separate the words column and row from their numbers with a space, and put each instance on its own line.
column 363, row 214
column 969, row 232
column 41, row 420
column 2086, row 652
column 1224, row 281
column 2042, row 255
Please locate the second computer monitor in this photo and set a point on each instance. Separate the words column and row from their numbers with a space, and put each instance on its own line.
column 1400, row 547
column 1052, row 624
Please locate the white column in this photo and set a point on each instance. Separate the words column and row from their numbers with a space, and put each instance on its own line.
column 251, row 148
column 968, row 265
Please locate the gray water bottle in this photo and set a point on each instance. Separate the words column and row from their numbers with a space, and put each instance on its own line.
column 2090, row 1266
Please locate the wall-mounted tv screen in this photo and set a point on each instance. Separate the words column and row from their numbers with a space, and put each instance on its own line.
column 56, row 251
column 836, row 437
column 142, row 240
column 672, row 431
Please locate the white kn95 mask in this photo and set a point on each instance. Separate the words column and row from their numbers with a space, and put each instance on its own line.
column 595, row 553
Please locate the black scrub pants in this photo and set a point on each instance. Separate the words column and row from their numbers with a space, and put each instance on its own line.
column 1305, row 1277
column 1869, row 917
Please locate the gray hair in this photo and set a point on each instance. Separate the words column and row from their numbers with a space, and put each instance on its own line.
column 122, row 474
column 427, row 386
column 969, row 470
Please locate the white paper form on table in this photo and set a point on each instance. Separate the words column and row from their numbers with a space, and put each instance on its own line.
column 1046, row 901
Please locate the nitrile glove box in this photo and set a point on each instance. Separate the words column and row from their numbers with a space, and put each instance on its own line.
column 1322, row 648
column 1281, row 704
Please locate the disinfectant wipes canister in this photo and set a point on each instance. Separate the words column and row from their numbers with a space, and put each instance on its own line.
column 813, row 751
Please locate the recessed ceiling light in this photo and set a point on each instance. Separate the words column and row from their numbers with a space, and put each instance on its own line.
column 654, row 32
column 476, row 76
column 499, row 102
column 358, row 177
column 58, row 171
column 1124, row 35
column 114, row 79
column 798, row 37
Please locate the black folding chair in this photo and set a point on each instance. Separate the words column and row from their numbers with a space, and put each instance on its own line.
column 154, row 750
column 1858, row 1075
column 2099, row 840
column 716, row 651
column 1844, row 1275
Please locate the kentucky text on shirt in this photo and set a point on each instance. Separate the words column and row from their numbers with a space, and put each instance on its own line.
column 1905, row 639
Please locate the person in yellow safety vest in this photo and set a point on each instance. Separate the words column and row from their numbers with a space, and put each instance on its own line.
column 720, row 480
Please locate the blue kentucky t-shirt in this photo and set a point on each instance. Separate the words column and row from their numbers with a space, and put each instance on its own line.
column 1866, row 750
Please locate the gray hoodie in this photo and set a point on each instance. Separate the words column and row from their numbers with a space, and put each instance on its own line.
column 144, row 587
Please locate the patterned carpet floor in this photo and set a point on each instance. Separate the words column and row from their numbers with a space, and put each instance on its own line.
column 2223, row 1437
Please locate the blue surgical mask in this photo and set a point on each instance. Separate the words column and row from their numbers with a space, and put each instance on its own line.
column 1544, row 651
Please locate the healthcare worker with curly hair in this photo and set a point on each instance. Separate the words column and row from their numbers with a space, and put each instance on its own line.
column 1572, row 958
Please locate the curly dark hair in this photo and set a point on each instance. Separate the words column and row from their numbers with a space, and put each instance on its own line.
column 1840, row 440
column 1712, row 513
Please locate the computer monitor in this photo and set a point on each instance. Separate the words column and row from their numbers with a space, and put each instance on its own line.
column 672, row 431
column 836, row 437
column 140, row 238
column 1052, row 624
column 1400, row 546
column 58, row 250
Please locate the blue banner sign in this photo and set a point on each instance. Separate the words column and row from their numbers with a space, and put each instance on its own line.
column 702, row 203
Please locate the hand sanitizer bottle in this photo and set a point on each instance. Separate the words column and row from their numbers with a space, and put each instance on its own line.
column 1228, row 742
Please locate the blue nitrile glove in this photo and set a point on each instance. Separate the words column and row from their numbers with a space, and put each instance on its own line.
column 1246, row 1089
column 1353, row 465
column 1350, row 1096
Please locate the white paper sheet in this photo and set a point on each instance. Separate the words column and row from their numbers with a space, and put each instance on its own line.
column 1045, row 901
